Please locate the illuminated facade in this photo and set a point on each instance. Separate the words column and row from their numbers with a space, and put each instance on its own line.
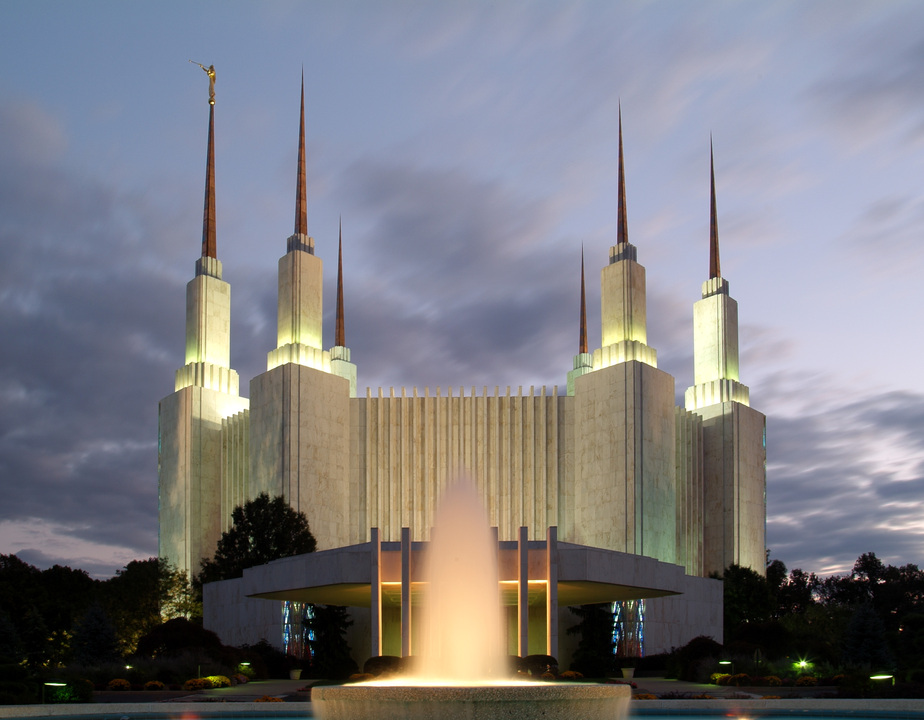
column 609, row 466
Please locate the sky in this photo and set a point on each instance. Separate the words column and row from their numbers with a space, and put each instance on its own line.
column 470, row 149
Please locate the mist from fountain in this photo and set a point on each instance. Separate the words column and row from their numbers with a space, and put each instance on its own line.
column 461, row 670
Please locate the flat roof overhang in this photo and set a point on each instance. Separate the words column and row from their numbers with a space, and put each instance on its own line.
column 343, row 576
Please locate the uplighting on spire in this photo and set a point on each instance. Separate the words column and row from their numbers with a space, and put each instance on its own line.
column 301, row 195
column 714, row 269
column 622, row 226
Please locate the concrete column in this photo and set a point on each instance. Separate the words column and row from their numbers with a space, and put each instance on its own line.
column 405, row 592
column 523, row 592
column 551, row 591
column 376, row 589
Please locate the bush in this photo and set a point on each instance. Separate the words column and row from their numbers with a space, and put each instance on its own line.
column 719, row 678
column 360, row 677
column 269, row 698
column 538, row 664
column 175, row 636
column 806, row 681
column 119, row 684
column 694, row 660
column 197, row 684
column 570, row 675
column 383, row 664
column 739, row 680
column 219, row 681
column 154, row 685
column 239, row 679
column 75, row 691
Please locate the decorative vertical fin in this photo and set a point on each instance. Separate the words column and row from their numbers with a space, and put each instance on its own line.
column 622, row 226
column 340, row 334
column 714, row 269
column 209, row 246
column 583, row 339
column 301, row 193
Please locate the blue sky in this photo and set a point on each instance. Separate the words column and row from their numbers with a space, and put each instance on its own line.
column 470, row 148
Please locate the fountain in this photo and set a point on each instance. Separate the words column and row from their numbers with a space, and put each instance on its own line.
column 462, row 665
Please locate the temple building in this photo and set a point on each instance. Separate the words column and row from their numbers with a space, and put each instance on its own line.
column 600, row 490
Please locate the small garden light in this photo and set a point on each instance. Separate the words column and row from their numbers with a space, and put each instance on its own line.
column 51, row 683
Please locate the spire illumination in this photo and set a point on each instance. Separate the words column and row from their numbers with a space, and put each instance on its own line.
column 582, row 347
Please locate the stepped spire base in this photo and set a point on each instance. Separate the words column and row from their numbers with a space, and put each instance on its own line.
column 300, row 355
column 299, row 241
column 208, row 375
column 715, row 392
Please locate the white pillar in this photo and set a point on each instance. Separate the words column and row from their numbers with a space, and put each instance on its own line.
column 551, row 591
column 405, row 592
column 523, row 592
column 376, row 590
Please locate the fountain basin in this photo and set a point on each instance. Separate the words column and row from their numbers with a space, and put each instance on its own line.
column 484, row 702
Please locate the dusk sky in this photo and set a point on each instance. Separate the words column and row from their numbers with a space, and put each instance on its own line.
column 470, row 148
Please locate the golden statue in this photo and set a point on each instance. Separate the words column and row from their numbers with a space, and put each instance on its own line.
column 210, row 71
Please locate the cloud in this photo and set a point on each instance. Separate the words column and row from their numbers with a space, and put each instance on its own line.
column 845, row 475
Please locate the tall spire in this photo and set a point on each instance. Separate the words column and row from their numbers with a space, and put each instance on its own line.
column 622, row 226
column 582, row 347
column 714, row 270
column 301, row 202
column 339, row 333
column 209, row 246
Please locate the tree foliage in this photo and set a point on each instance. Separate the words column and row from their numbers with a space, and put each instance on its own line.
column 94, row 641
column 331, row 656
column 594, row 656
column 263, row 530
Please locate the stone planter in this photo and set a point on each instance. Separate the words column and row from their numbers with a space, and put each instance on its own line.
column 628, row 673
column 295, row 674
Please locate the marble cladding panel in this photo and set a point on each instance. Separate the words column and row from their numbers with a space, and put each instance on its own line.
column 208, row 321
column 622, row 303
column 190, row 482
column 625, row 461
column 689, row 473
column 300, row 310
column 624, row 351
column 238, row 619
column 235, row 464
column 413, row 446
column 734, row 477
column 715, row 339
column 208, row 375
column 671, row 622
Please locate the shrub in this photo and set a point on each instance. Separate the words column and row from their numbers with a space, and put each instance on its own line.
column 219, row 681
column 197, row 684
column 739, row 679
column 773, row 681
column 719, row 678
column 704, row 696
column 360, row 677
column 547, row 676
column 806, row 681
column 154, row 685
column 240, row 679
column 570, row 675
column 644, row 696
column 118, row 684
column 381, row 664
column 538, row 664
column 269, row 698
column 76, row 691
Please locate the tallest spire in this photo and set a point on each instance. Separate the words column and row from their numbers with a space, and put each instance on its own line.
column 209, row 245
column 301, row 194
column 622, row 226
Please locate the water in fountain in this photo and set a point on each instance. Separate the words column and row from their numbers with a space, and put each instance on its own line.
column 463, row 661
column 462, row 639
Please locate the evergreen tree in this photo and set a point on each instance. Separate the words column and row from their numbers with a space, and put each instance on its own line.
column 330, row 652
column 865, row 641
column 595, row 654
column 263, row 530
column 34, row 635
column 95, row 641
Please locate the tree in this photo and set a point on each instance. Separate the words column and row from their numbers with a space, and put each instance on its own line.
column 865, row 641
column 330, row 652
column 95, row 641
column 595, row 654
column 263, row 530
column 144, row 594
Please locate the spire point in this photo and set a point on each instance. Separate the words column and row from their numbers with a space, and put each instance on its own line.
column 209, row 244
column 582, row 346
column 622, row 226
column 714, row 269
column 301, row 194
column 339, row 333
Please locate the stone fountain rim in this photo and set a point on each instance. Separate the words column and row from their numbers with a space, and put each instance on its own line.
column 472, row 693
